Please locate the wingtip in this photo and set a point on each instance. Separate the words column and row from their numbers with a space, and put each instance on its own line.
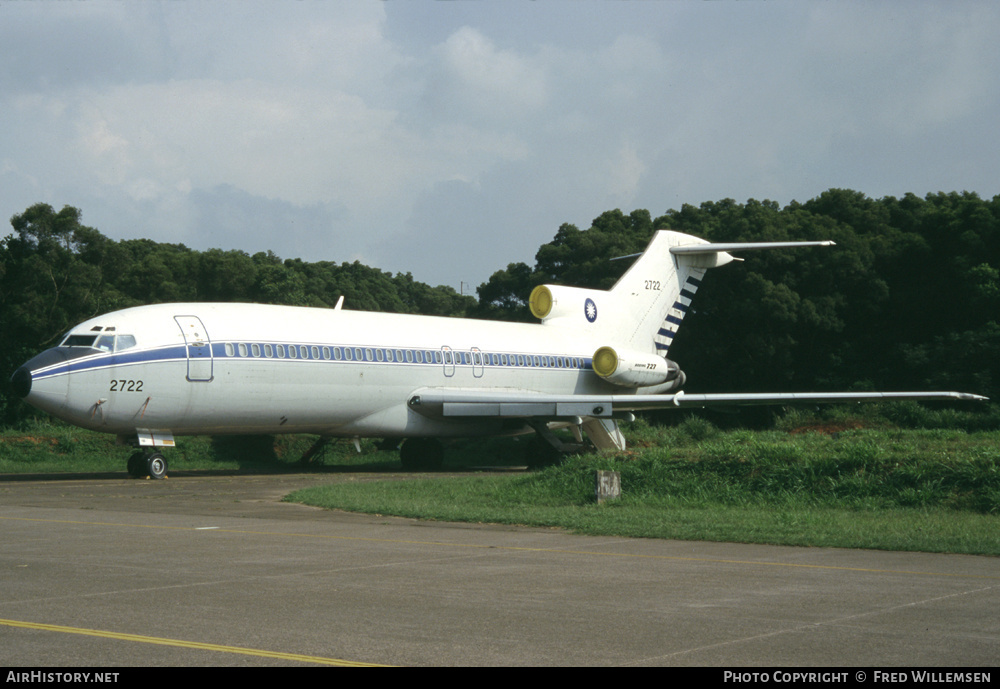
column 968, row 397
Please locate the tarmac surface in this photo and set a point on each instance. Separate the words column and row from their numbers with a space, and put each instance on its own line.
column 106, row 571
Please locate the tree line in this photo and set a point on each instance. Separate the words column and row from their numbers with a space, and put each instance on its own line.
column 908, row 299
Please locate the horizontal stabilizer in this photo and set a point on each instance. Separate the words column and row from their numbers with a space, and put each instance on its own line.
column 741, row 246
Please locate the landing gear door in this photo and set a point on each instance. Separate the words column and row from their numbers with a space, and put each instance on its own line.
column 199, row 349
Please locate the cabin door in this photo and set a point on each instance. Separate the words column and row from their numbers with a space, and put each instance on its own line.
column 199, row 349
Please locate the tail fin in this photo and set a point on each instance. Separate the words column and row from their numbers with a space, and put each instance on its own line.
column 653, row 296
column 645, row 308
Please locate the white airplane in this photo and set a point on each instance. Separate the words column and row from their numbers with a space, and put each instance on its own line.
column 152, row 372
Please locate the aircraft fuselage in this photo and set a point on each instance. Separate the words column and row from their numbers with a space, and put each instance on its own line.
column 250, row 368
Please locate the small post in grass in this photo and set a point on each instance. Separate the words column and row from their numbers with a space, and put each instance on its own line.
column 608, row 486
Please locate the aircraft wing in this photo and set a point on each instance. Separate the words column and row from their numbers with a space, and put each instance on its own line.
column 510, row 403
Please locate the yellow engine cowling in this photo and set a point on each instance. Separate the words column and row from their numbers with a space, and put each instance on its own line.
column 634, row 369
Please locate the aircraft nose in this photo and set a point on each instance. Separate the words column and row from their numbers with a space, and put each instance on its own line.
column 34, row 383
column 21, row 382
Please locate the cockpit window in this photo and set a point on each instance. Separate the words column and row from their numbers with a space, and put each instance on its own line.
column 106, row 343
column 125, row 342
column 79, row 341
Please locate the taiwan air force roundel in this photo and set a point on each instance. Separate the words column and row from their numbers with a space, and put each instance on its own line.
column 590, row 310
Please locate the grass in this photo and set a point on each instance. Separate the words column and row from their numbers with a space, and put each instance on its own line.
column 513, row 500
column 893, row 489
column 833, row 480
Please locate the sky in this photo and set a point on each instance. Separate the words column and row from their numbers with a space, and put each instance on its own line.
column 449, row 139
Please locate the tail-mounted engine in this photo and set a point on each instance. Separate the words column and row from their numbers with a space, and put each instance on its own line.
column 634, row 369
column 574, row 304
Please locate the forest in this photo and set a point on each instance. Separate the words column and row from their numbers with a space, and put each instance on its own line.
column 908, row 299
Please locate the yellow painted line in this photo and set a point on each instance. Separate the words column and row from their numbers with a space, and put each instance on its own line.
column 195, row 645
column 562, row 551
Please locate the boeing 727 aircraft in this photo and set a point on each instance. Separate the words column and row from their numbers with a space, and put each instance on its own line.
column 152, row 372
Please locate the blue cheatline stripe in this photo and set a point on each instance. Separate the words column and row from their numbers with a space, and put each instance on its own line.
column 358, row 354
column 694, row 281
column 129, row 358
column 674, row 319
column 661, row 347
column 666, row 333
column 686, row 293
column 680, row 307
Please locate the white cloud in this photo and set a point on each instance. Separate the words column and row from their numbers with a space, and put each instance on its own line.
column 493, row 83
column 626, row 172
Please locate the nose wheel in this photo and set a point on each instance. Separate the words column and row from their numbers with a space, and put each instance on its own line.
column 142, row 465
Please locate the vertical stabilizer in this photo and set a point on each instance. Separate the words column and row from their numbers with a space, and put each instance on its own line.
column 653, row 296
column 644, row 310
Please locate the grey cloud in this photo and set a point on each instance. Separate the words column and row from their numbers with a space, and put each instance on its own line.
column 226, row 217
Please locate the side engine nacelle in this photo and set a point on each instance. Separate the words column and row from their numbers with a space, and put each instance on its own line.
column 633, row 369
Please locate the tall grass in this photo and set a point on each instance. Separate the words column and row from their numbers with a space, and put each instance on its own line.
column 857, row 470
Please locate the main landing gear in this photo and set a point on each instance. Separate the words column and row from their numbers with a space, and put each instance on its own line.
column 152, row 465
column 421, row 454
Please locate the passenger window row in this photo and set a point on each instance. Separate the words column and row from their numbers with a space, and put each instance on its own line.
column 446, row 357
